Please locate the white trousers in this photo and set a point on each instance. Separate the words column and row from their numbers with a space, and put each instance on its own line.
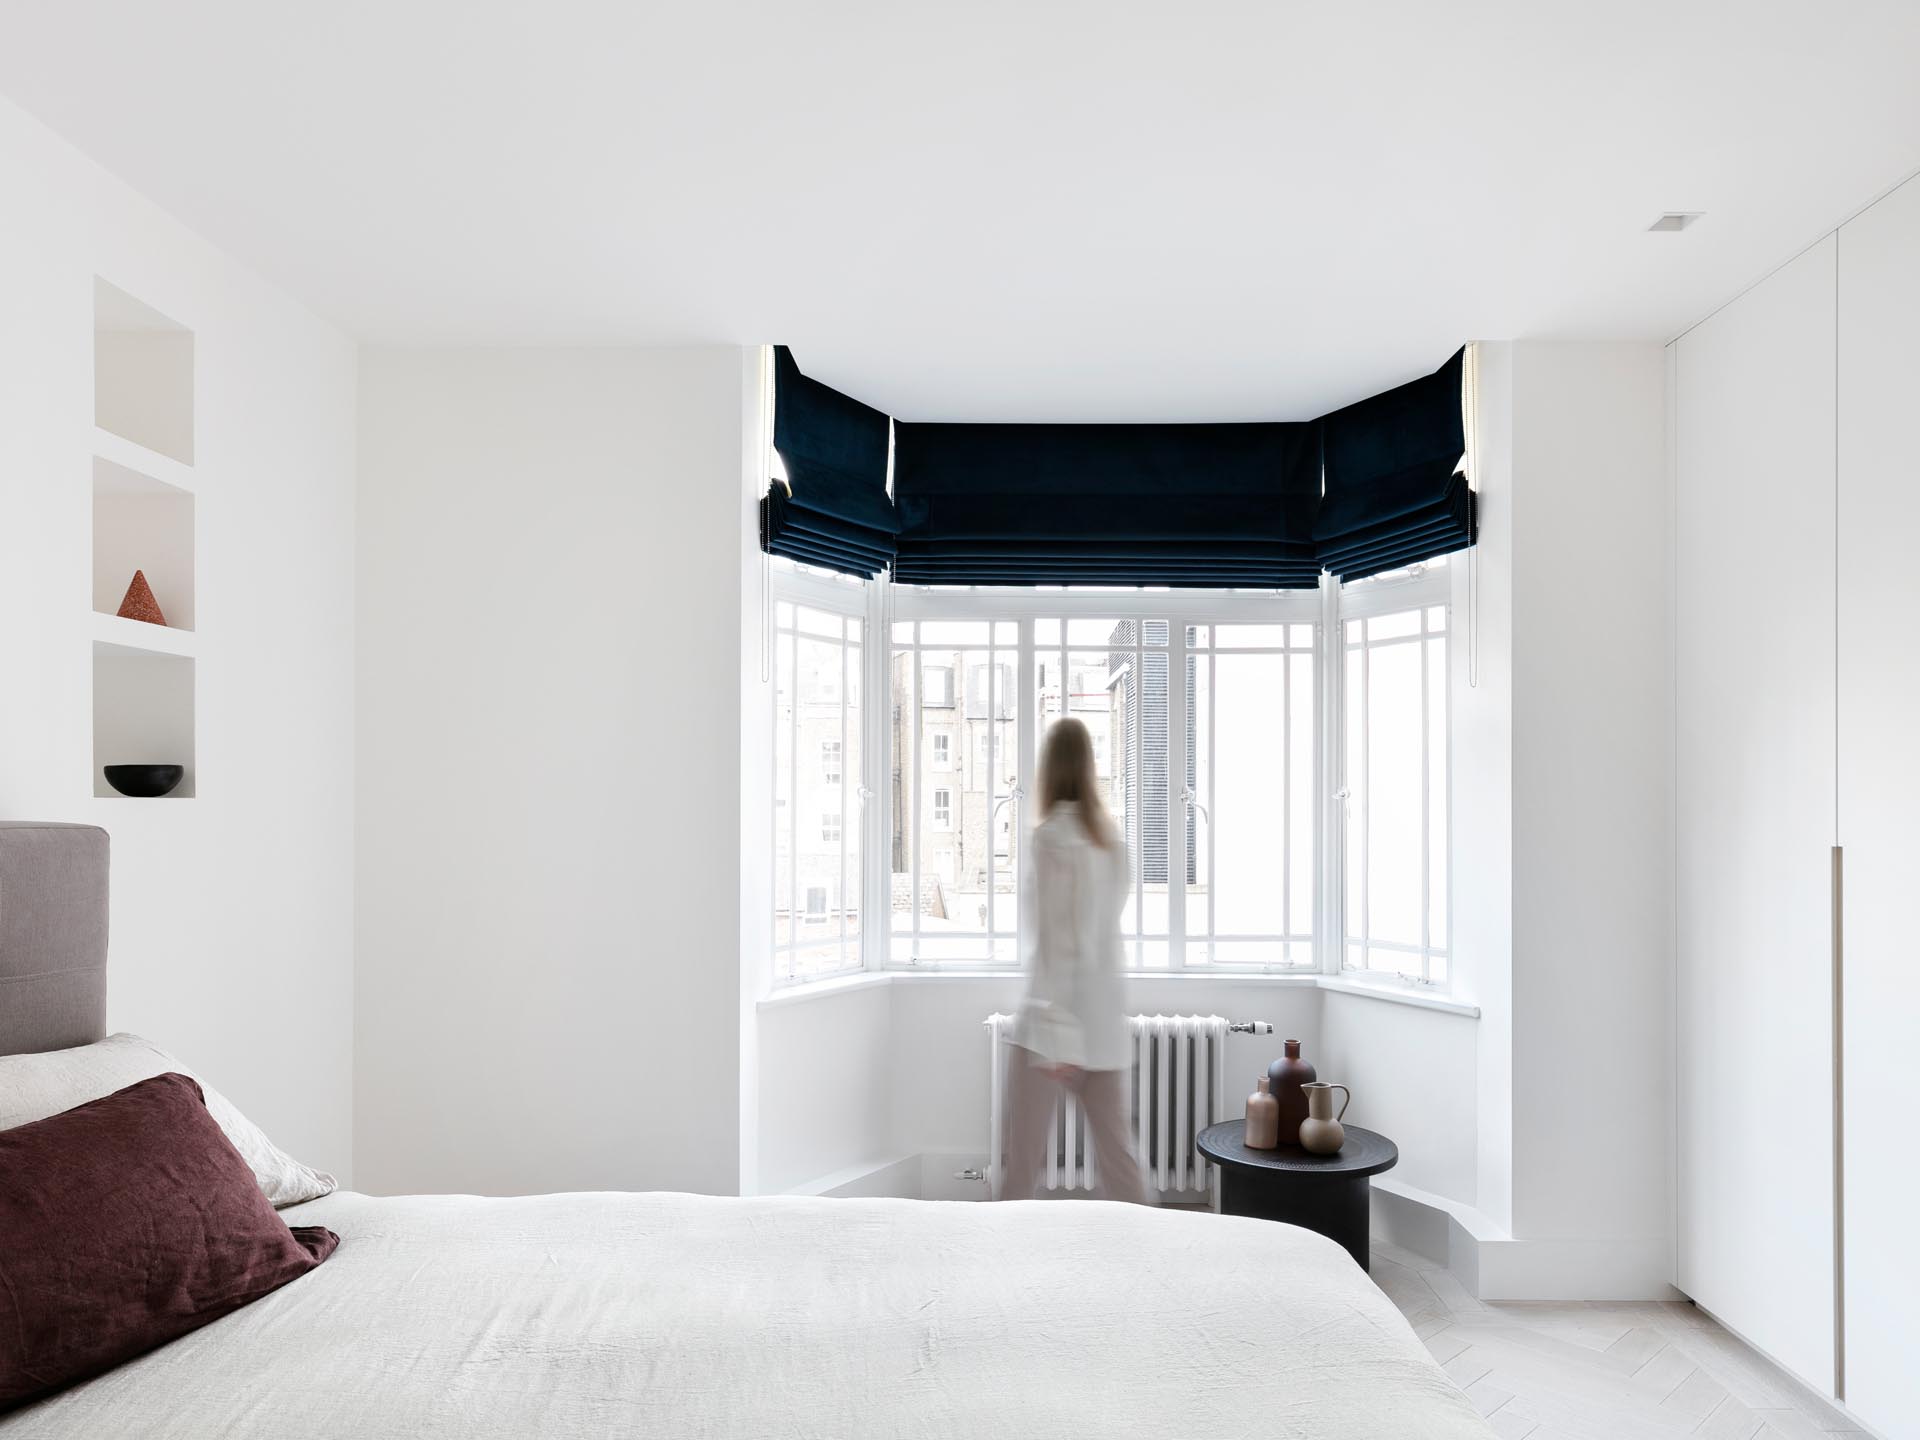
column 1104, row 1107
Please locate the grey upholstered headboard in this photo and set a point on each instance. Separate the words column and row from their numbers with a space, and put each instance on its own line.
column 53, row 936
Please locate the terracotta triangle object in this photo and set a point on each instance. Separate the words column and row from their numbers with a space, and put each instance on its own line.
column 140, row 604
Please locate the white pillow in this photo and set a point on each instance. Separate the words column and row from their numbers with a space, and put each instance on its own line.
column 32, row 1087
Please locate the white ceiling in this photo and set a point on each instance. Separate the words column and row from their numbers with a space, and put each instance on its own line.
column 1187, row 209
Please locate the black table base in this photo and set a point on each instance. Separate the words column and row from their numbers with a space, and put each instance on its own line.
column 1336, row 1207
column 1328, row 1194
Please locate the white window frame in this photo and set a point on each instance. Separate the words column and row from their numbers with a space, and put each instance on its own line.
column 851, row 599
column 1421, row 588
column 881, row 604
column 832, row 761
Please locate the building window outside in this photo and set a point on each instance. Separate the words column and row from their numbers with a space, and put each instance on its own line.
column 943, row 809
column 830, row 761
column 940, row 756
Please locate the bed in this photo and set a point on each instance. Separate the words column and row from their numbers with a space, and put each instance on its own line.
column 684, row 1315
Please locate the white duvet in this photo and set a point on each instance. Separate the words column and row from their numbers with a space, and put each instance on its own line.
column 678, row 1315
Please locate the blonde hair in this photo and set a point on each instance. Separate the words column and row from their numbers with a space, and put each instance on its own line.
column 1067, row 772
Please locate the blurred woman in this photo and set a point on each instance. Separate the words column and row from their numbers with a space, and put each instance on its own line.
column 1071, row 1029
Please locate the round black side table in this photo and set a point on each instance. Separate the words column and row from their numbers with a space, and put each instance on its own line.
column 1323, row 1193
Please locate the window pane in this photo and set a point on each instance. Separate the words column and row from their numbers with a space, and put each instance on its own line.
column 903, row 792
column 1240, row 637
column 1437, row 802
column 1304, row 699
column 1396, row 768
column 1197, row 819
column 961, row 820
column 818, row 622
column 1250, row 805
column 953, row 632
column 1354, row 781
column 854, row 808
column 1395, row 834
column 1141, row 702
column 783, row 791
column 1394, row 627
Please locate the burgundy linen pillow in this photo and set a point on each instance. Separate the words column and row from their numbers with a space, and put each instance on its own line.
column 125, row 1223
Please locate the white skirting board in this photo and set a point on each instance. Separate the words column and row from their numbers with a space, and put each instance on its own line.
column 1493, row 1265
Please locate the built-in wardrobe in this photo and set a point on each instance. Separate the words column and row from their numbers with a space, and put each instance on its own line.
column 1796, row 461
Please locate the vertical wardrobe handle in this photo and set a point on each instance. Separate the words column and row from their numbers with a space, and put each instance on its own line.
column 1838, row 970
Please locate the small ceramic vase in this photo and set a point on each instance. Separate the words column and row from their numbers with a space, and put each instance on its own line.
column 1321, row 1133
column 1263, row 1118
column 1284, row 1078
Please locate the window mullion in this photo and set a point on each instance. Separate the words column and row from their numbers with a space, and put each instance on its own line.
column 1178, row 811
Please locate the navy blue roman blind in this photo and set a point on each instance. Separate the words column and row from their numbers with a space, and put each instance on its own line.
column 1266, row 505
column 833, row 510
column 1393, row 492
column 1209, row 505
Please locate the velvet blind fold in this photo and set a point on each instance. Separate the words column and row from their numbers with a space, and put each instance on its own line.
column 1368, row 488
column 833, row 511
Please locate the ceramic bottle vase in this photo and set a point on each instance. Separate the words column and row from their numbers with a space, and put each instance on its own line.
column 1263, row 1118
column 1284, row 1079
column 1321, row 1133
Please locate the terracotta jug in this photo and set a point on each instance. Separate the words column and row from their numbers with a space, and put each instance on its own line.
column 1263, row 1118
column 1321, row 1133
column 1284, row 1078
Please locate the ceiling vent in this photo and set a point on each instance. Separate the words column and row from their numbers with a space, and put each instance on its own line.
column 1676, row 220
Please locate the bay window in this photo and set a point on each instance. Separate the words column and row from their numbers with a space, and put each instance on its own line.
column 1276, row 760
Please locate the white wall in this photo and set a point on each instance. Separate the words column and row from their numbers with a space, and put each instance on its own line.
column 549, row 806
column 1412, row 1074
column 1481, row 784
column 825, row 1085
column 232, row 911
column 1592, row 805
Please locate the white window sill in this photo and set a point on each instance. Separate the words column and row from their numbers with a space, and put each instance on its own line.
column 1399, row 992
column 1392, row 992
column 804, row 990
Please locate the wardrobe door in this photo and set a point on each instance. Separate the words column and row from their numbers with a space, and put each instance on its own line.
column 1754, row 743
column 1880, row 802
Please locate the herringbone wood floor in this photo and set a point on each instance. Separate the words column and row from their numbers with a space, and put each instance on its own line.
column 1600, row 1371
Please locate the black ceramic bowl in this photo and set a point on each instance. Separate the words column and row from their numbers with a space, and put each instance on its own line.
column 144, row 782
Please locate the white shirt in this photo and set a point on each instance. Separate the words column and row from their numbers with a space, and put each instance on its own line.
column 1074, row 1011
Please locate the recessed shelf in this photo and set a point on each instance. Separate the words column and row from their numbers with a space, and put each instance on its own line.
column 139, row 636
column 142, row 373
column 144, row 524
column 131, row 455
column 142, row 711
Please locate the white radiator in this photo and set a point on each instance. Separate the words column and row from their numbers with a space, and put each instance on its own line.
column 1179, row 1088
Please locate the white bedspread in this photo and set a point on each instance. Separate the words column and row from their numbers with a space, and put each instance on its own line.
column 679, row 1315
